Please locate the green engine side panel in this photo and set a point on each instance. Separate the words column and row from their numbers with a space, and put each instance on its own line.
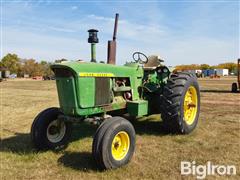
column 86, row 91
column 137, row 108
column 66, row 94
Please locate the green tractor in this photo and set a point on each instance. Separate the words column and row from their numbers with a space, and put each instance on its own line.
column 104, row 93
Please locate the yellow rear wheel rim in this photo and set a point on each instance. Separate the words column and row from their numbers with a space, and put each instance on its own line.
column 120, row 145
column 190, row 105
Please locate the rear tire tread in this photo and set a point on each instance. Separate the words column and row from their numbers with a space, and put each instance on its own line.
column 170, row 107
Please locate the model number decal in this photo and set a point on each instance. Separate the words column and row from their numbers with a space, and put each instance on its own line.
column 96, row 74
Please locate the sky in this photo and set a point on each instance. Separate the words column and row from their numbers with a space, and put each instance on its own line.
column 181, row 32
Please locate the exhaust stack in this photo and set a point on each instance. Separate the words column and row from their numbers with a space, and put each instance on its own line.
column 111, row 57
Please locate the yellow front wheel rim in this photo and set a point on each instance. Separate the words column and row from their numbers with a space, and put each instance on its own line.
column 190, row 105
column 120, row 145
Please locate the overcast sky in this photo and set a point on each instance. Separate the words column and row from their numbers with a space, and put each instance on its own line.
column 184, row 32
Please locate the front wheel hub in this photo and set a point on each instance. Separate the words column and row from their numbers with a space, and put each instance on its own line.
column 120, row 145
column 56, row 131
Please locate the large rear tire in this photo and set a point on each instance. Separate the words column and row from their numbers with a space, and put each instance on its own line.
column 234, row 87
column 114, row 143
column 181, row 103
column 48, row 132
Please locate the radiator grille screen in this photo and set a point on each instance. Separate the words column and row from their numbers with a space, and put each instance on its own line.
column 102, row 94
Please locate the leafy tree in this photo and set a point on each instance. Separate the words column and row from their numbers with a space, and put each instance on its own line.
column 187, row 67
column 46, row 68
column 11, row 62
column 32, row 68
column 204, row 66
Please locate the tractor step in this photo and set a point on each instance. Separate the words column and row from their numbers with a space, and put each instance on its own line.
column 137, row 108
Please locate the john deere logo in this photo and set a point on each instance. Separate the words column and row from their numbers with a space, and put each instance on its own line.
column 96, row 74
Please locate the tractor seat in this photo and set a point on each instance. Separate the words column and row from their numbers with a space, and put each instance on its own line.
column 153, row 62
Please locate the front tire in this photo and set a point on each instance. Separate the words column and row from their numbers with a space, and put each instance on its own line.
column 181, row 103
column 114, row 143
column 48, row 132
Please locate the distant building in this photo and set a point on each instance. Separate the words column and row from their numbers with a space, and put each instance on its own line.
column 4, row 72
column 222, row 72
column 208, row 72
column 218, row 72
column 194, row 71
column 26, row 75
column 197, row 72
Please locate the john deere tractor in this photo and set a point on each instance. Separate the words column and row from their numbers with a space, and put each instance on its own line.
column 104, row 93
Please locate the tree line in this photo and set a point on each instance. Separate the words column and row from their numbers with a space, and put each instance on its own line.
column 33, row 68
column 16, row 65
column 230, row 66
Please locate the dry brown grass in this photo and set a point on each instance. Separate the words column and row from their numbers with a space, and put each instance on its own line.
column 157, row 155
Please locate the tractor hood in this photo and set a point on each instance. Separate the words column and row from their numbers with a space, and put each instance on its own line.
column 83, row 85
column 88, row 69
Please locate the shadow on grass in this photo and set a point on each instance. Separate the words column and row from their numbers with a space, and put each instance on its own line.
column 216, row 91
column 82, row 130
column 82, row 161
column 149, row 127
column 21, row 143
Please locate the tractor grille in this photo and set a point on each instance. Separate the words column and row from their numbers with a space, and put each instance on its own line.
column 102, row 93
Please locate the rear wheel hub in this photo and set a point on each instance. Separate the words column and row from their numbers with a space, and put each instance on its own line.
column 190, row 105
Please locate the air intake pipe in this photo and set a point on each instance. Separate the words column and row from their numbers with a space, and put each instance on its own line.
column 93, row 39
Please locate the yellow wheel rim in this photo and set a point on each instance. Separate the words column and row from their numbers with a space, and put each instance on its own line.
column 190, row 105
column 120, row 145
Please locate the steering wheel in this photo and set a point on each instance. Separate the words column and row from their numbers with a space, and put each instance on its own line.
column 140, row 58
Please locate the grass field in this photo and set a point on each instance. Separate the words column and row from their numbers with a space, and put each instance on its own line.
column 157, row 155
